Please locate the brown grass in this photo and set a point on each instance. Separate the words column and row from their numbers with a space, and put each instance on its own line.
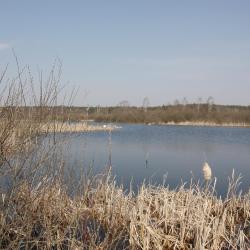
column 104, row 217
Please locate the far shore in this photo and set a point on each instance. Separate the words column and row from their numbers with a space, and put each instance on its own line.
column 202, row 124
column 65, row 127
column 76, row 127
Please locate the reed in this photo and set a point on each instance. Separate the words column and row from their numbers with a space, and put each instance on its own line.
column 207, row 172
column 104, row 217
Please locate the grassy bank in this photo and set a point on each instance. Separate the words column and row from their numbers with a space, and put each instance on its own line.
column 102, row 216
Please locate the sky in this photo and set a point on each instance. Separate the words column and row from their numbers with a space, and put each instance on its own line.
column 127, row 50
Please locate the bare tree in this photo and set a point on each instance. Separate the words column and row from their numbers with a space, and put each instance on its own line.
column 184, row 102
column 145, row 103
column 28, row 115
column 210, row 103
column 176, row 102
column 123, row 104
column 199, row 102
column 98, row 108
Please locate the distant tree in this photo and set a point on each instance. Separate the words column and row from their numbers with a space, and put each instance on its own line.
column 145, row 103
column 199, row 102
column 176, row 102
column 184, row 102
column 87, row 111
column 98, row 108
column 123, row 104
column 210, row 103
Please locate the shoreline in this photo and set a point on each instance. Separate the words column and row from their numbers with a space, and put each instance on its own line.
column 201, row 124
column 84, row 127
column 60, row 127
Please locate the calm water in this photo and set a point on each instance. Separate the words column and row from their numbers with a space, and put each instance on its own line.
column 141, row 152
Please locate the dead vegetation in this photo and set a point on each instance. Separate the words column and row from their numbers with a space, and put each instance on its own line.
column 104, row 217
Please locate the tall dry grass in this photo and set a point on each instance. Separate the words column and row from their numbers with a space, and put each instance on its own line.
column 104, row 217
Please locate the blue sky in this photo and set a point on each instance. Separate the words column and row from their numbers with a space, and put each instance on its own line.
column 126, row 50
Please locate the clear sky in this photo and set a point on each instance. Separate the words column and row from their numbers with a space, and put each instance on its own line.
column 126, row 50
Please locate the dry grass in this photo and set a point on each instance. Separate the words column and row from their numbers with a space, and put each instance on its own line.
column 75, row 127
column 104, row 217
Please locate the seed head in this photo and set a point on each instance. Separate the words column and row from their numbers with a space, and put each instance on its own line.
column 207, row 172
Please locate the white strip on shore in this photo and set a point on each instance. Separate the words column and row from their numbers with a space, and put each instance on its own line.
column 203, row 124
column 76, row 127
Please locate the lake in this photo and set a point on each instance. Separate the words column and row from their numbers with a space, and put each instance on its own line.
column 155, row 153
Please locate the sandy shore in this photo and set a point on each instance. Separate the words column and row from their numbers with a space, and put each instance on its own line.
column 76, row 127
column 203, row 124
column 84, row 127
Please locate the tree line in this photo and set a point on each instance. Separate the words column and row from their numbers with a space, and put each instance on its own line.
column 177, row 112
